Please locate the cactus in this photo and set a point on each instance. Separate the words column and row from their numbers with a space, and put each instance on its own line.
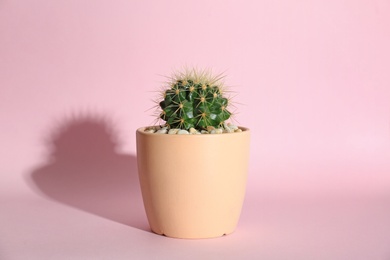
column 194, row 99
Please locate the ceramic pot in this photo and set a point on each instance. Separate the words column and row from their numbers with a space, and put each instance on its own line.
column 193, row 186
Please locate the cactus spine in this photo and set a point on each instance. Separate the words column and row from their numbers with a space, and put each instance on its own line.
column 194, row 99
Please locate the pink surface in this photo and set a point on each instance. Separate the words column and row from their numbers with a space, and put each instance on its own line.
column 76, row 79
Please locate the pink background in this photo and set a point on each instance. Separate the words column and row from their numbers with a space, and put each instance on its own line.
column 77, row 79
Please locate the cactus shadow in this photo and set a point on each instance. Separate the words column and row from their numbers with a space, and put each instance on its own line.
column 84, row 171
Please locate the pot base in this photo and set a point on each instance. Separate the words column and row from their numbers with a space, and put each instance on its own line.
column 193, row 237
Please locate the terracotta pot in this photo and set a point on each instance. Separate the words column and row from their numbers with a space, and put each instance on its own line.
column 193, row 186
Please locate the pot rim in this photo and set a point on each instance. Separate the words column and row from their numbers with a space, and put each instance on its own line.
column 245, row 130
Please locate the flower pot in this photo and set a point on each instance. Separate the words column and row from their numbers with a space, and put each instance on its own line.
column 193, row 186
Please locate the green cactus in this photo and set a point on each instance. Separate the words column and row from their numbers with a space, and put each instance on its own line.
column 194, row 99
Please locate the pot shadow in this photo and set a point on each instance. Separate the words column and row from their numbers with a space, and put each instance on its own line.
column 84, row 171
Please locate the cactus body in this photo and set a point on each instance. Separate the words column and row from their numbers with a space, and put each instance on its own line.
column 194, row 99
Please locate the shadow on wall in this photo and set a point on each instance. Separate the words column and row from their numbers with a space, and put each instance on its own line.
column 85, row 171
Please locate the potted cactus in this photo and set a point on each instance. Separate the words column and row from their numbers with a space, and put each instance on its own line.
column 193, row 166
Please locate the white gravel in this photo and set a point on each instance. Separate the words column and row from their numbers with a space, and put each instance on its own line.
column 227, row 128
